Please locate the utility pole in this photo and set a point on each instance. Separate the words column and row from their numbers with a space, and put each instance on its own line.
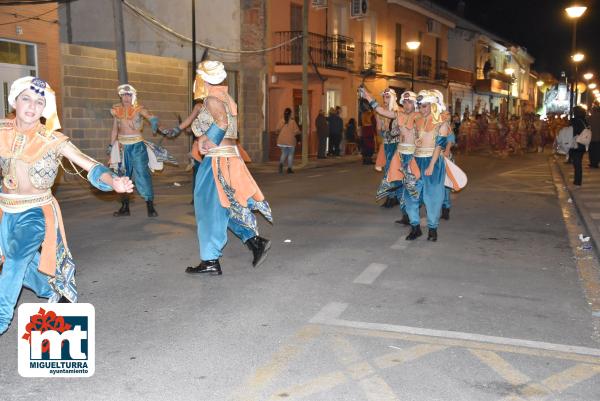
column 120, row 41
column 305, row 122
column 194, row 61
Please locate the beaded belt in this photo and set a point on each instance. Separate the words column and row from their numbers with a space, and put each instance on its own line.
column 223, row 151
column 14, row 203
column 406, row 148
column 424, row 152
column 130, row 139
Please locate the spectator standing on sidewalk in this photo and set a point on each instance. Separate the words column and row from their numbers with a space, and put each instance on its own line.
column 322, row 134
column 286, row 140
column 351, row 136
column 576, row 154
column 595, row 144
column 336, row 129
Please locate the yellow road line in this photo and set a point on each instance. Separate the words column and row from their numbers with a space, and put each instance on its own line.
column 406, row 355
column 576, row 374
column 317, row 385
column 263, row 375
column 376, row 389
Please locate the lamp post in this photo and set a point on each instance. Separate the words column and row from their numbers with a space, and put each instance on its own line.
column 574, row 12
column 539, row 84
column 577, row 58
column 509, row 71
column 413, row 46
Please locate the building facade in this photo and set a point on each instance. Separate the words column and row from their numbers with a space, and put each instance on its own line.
column 29, row 45
column 347, row 50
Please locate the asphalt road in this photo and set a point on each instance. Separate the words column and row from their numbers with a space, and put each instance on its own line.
column 344, row 308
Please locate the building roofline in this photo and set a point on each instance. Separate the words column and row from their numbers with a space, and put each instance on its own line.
column 423, row 10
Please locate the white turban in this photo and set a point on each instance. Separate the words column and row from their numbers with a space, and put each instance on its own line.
column 435, row 98
column 408, row 95
column 393, row 103
column 42, row 88
column 127, row 89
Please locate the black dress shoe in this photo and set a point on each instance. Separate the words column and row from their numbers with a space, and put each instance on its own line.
column 405, row 220
column 290, row 171
column 432, row 235
column 415, row 232
column 445, row 213
column 260, row 247
column 212, row 267
column 64, row 300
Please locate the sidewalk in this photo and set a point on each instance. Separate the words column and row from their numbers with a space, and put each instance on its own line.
column 586, row 199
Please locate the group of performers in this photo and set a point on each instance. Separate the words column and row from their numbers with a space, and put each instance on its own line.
column 33, row 245
column 416, row 157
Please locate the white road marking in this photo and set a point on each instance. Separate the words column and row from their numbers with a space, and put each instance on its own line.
column 595, row 216
column 330, row 314
column 400, row 244
column 370, row 274
column 315, row 176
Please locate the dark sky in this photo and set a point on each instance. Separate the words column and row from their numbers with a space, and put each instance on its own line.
column 542, row 27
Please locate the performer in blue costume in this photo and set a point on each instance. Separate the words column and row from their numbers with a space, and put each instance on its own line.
column 128, row 150
column 225, row 194
column 432, row 131
column 399, row 172
column 33, row 244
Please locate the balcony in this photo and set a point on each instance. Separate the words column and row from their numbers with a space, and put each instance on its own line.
column 370, row 56
column 441, row 70
column 335, row 52
column 403, row 62
column 424, row 66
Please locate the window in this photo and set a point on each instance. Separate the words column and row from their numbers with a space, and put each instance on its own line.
column 17, row 53
column 398, row 37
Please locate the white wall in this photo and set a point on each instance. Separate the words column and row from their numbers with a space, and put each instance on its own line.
column 217, row 23
column 461, row 49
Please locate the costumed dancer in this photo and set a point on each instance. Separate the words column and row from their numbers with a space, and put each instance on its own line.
column 433, row 129
column 33, row 245
column 451, row 141
column 129, row 154
column 225, row 193
column 388, row 128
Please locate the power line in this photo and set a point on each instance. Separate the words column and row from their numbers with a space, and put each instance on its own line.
column 36, row 17
column 153, row 20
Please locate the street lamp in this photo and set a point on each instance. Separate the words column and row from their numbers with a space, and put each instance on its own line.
column 577, row 58
column 588, row 75
column 592, row 86
column 509, row 71
column 413, row 46
column 574, row 12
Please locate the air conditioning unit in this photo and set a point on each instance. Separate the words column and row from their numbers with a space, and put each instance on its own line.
column 434, row 27
column 359, row 9
column 319, row 4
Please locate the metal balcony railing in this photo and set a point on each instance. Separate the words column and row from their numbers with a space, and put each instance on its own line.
column 370, row 56
column 441, row 70
column 335, row 51
column 403, row 62
column 425, row 64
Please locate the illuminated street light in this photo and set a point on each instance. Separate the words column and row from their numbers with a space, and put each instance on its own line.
column 592, row 86
column 587, row 76
column 539, row 83
column 577, row 57
column 509, row 71
column 413, row 46
column 575, row 11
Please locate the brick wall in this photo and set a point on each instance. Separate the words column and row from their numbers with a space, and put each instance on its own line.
column 89, row 79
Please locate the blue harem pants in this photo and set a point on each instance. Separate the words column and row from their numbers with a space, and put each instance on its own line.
column 135, row 163
column 212, row 218
column 431, row 192
column 447, row 201
column 389, row 149
column 21, row 235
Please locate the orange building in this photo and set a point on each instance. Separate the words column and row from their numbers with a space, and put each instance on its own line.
column 29, row 45
column 342, row 48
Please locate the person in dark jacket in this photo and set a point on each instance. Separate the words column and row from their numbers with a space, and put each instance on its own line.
column 322, row 134
column 576, row 154
column 336, row 129
column 595, row 144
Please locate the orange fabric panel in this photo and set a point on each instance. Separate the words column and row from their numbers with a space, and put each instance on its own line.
column 236, row 174
column 245, row 156
column 395, row 172
column 380, row 161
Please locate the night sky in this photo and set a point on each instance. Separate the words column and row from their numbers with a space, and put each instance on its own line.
column 542, row 27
